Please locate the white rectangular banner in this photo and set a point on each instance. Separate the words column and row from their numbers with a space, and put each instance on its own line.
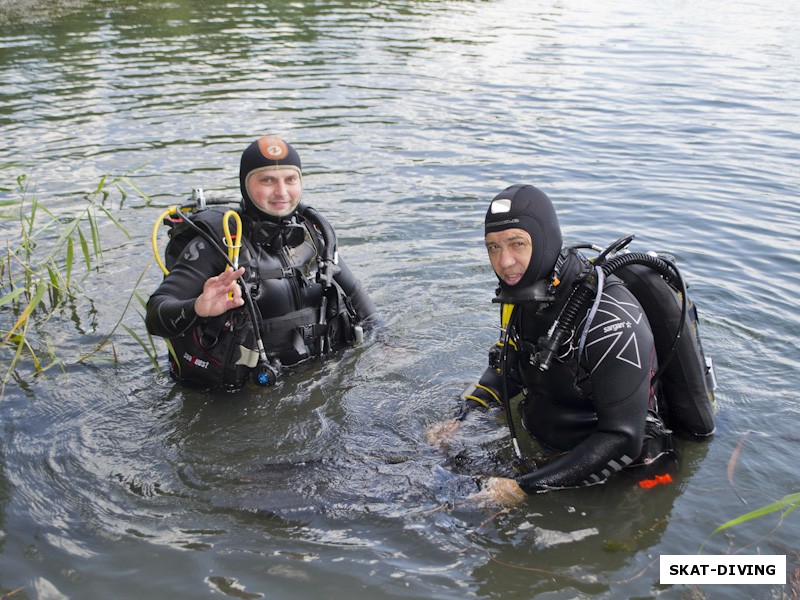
column 723, row 568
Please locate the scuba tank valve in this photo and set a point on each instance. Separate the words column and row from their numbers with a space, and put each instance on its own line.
column 199, row 199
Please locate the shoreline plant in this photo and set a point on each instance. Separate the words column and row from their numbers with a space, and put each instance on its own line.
column 41, row 271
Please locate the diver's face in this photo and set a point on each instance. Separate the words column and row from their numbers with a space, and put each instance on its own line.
column 509, row 253
column 276, row 192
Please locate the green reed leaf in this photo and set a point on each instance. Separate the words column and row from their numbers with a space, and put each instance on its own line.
column 789, row 503
column 85, row 249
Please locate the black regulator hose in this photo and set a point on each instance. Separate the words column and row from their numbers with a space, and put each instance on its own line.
column 562, row 327
column 613, row 248
column 504, row 384
column 583, row 291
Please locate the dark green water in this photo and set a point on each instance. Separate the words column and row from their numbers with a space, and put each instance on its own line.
column 677, row 122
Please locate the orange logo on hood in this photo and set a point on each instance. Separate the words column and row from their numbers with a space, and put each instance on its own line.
column 272, row 147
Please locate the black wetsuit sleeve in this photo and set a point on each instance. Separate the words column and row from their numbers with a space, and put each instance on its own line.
column 363, row 305
column 487, row 392
column 170, row 309
column 620, row 357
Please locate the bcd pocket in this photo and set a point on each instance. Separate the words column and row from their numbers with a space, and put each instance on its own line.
column 211, row 353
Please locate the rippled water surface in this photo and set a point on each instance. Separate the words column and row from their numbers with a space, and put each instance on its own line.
column 674, row 121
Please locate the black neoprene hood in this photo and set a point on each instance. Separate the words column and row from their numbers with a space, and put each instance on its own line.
column 530, row 209
column 267, row 152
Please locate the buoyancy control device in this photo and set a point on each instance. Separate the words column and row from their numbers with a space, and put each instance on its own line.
column 209, row 218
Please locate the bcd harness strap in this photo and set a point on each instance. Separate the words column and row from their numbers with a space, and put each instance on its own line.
column 305, row 330
column 312, row 328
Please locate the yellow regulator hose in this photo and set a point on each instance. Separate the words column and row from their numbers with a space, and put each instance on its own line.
column 171, row 211
column 232, row 241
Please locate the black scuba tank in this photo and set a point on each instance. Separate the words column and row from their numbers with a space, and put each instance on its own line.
column 686, row 386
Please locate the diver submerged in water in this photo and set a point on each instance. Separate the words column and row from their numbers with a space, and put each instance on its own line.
column 580, row 348
column 287, row 297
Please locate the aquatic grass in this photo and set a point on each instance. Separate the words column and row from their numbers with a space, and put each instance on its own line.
column 39, row 274
column 149, row 347
column 789, row 502
column 786, row 504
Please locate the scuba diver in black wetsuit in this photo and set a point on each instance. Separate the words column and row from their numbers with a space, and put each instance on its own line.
column 580, row 348
column 285, row 298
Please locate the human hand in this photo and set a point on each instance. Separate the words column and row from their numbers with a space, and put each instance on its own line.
column 438, row 433
column 220, row 294
column 500, row 491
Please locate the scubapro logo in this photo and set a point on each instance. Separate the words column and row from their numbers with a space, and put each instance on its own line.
column 502, row 223
column 193, row 250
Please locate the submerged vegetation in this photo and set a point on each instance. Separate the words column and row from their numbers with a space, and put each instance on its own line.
column 46, row 259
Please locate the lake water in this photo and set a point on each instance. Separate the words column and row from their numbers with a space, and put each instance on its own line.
column 675, row 121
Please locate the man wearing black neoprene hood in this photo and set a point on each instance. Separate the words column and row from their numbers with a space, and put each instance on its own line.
column 299, row 306
column 589, row 407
